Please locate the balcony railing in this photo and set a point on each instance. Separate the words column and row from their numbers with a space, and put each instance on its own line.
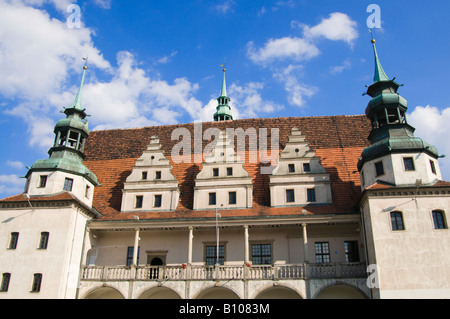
column 257, row 272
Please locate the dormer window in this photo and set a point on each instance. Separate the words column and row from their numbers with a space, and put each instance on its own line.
column 291, row 168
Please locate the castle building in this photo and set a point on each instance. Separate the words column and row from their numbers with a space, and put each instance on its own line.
column 290, row 208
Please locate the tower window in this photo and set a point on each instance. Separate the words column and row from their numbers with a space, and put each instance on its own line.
column 291, row 168
column 43, row 242
column 42, row 181
column 409, row 164
column 158, row 175
column 37, row 280
column 215, row 172
column 433, row 167
column 397, row 221
column 439, row 219
column 13, row 240
column 290, row 197
column 379, row 168
column 5, row 282
column 144, row 175
column 68, row 184
column 212, row 198
column 139, row 201
column 158, row 200
column 229, row 171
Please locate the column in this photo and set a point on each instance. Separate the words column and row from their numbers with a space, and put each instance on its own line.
column 305, row 244
column 191, row 237
column 246, row 246
column 136, row 247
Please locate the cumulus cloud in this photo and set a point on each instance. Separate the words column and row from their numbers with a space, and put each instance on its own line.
column 431, row 125
column 11, row 184
column 338, row 27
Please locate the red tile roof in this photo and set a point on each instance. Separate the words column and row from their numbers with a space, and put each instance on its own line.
column 337, row 140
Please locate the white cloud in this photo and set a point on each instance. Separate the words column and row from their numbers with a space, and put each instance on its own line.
column 105, row 4
column 15, row 164
column 11, row 185
column 225, row 7
column 284, row 48
column 341, row 68
column 431, row 125
column 338, row 27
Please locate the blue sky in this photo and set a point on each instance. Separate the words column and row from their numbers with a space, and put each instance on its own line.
column 158, row 63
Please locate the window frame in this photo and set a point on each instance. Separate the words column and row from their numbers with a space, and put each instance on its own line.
column 290, row 198
column 408, row 164
column 291, row 168
column 397, row 221
column 68, row 184
column 230, row 197
column 6, row 278
column 322, row 252
column 210, row 254
column 156, row 202
column 311, row 195
column 139, row 199
column 229, row 171
column 130, row 253
column 351, row 250
column 43, row 181
column 439, row 224
column 215, row 172
column 210, row 202
column 379, row 168
column 262, row 254
column 37, row 283
column 13, row 240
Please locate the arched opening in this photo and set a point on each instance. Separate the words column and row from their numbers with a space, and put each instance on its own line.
column 340, row 292
column 104, row 293
column 156, row 262
column 217, row 293
column 278, row 293
column 160, row 293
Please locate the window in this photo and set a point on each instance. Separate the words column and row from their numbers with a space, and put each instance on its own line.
column 144, row 175
column 262, row 254
column 409, row 164
column 43, row 242
column 212, row 198
column 306, row 167
column 229, row 171
column 290, row 197
column 379, row 168
column 130, row 253
column 351, row 251
column 42, row 181
column 215, row 172
column 311, row 194
column 139, row 201
column 211, row 255
column 291, row 168
column 13, row 240
column 158, row 175
column 433, row 167
column 37, row 280
column 232, row 198
column 439, row 219
column 158, row 200
column 68, row 183
column 397, row 221
column 322, row 252
column 5, row 282
column 86, row 191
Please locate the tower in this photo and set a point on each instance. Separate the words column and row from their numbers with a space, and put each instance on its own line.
column 223, row 112
column 64, row 169
column 403, row 202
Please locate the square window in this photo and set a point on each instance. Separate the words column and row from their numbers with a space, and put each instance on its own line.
column 68, row 184
column 229, row 171
column 379, row 168
column 311, row 194
column 291, row 168
column 409, row 164
column 158, row 175
column 144, row 175
column 306, row 167
column 212, row 198
column 232, row 198
column 290, row 197
column 215, row 172
column 262, row 254
column 211, row 255
column 158, row 200
column 139, row 201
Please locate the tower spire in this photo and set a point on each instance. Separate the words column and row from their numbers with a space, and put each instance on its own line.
column 380, row 75
column 223, row 112
column 77, row 102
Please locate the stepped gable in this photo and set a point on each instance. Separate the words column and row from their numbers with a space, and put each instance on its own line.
column 337, row 140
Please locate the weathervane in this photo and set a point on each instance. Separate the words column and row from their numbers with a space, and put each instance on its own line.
column 223, row 65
